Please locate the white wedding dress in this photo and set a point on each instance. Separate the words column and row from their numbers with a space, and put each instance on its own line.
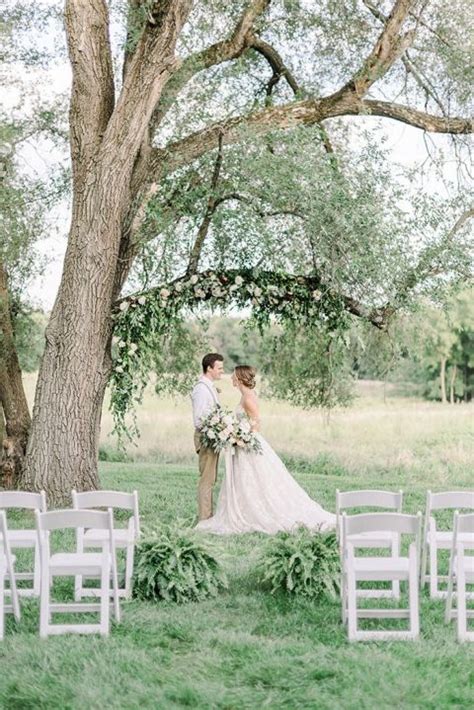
column 258, row 494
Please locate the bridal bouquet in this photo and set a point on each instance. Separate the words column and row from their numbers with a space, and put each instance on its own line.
column 220, row 429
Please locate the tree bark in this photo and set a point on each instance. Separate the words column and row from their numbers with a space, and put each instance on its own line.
column 442, row 380
column 14, row 411
column 452, row 381
column 62, row 450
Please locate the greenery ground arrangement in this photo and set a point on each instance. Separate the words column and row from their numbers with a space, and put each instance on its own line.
column 247, row 648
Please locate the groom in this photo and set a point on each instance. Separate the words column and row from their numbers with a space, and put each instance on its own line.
column 204, row 397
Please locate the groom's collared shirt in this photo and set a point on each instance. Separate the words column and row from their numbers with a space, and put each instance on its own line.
column 204, row 397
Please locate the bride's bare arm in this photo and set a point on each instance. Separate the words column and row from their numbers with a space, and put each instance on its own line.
column 252, row 410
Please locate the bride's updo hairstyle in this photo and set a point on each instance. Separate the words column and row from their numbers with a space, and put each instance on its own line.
column 246, row 375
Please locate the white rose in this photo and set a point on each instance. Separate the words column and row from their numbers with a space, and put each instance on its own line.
column 228, row 419
column 119, row 368
column 194, row 279
column 200, row 293
column 216, row 292
column 234, row 287
column 245, row 426
column 124, row 305
column 223, row 436
column 317, row 294
column 122, row 343
column 142, row 300
column 178, row 287
column 239, row 280
column 164, row 293
column 211, row 434
column 133, row 348
column 258, row 291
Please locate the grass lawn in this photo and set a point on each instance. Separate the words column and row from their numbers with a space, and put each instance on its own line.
column 245, row 649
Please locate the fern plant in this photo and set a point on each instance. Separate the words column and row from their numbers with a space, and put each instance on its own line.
column 173, row 565
column 301, row 563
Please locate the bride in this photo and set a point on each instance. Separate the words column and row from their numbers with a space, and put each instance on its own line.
column 258, row 494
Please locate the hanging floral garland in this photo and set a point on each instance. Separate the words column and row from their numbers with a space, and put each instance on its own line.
column 144, row 316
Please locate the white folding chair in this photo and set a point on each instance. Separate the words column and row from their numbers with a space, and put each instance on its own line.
column 377, row 569
column 387, row 500
column 69, row 564
column 435, row 539
column 461, row 572
column 7, row 571
column 124, row 538
column 24, row 537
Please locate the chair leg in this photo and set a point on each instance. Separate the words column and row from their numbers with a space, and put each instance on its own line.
column 414, row 596
column 13, row 589
column 433, row 570
column 78, row 578
column 37, row 572
column 45, row 615
column 344, row 598
column 424, row 564
column 461, row 598
column 2, row 604
column 351, row 605
column 448, row 610
column 395, row 553
column 130, row 553
column 105, row 596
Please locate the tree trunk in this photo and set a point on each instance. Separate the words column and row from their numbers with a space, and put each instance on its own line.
column 452, row 381
column 62, row 449
column 14, row 407
column 442, row 379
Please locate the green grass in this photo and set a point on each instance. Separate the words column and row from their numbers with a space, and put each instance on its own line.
column 245, row 649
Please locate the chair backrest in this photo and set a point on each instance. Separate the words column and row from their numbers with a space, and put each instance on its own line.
column 108, row 499
column 381, row 522
column 64, row 519
column 369, row 498
column 449, row 500
column 71, row 519
column 366, row 499
column 23, row 499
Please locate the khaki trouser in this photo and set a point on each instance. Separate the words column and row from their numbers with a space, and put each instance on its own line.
column 208, row 460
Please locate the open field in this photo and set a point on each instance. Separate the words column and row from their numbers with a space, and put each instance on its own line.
column 408, row 438
column 248, row 649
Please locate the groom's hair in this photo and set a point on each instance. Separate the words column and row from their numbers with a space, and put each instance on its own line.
column 210, row 360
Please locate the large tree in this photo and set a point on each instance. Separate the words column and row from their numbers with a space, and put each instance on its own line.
column 126, row 141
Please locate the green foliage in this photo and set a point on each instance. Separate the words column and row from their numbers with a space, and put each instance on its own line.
column 174, row 565
column 416, row 345
column 302, row 563
column 29, row 336
column 144, row 322
column 313, row 368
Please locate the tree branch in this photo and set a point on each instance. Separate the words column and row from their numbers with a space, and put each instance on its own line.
column 307, row 112
column 280, row 69
column 220, row 52
column 211, row 206
column 92, row 97
column 426, row 266
column 408, row 62
column 388, row 48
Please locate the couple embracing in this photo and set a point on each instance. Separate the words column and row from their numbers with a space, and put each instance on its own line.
column 258, row 494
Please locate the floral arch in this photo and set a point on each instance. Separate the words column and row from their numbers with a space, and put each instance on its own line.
column 288, row 298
